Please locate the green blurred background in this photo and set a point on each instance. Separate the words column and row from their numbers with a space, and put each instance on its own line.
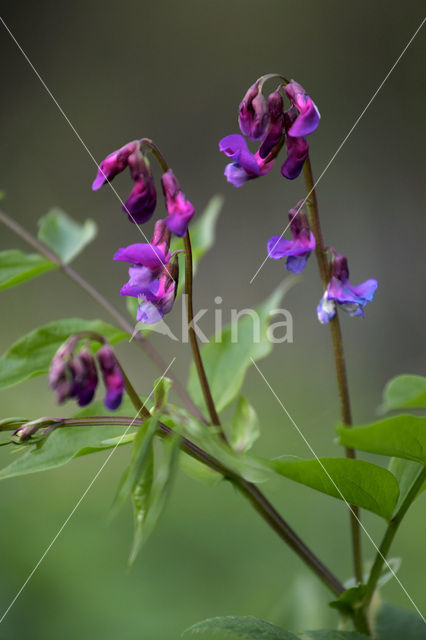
column 176, row 71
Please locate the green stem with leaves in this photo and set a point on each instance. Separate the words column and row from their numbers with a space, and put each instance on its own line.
column 339, row 357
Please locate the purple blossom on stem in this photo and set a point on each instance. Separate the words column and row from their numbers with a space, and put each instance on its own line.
column 85, row 377
column 298, row 250
column 253, row 113
column 153, row 275
column 179, row 208
column 339, row 291
column 308, row 115
column 245, row 165
column 297, row 148
column 112, row 377
column 272, row 142
column 73, row 376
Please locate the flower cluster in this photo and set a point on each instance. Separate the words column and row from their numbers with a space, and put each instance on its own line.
column 153, row 275
column 74, row 375
column 339, row 291
column 268, row 122
column 298, row 250
column 141, row 202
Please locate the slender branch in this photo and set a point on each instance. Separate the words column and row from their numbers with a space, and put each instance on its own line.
column 339, row 357
column 205, row 387
column 107, row 306
column 389, row 536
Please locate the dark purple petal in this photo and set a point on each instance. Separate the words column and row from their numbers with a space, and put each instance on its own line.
column 253, row 114
column 112, row 376
column 140, row 205
column 297, row 152
column 178, row 223
column 309, row 116
column 273, row 139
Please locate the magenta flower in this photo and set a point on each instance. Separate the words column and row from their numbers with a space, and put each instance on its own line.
column 272, row 142
column 140, row 204
column 112, row 377
column 85, row 377
column 153, row 275
column 297, row 148
column 253, row 114
column 308, row 115
column 298, row 250
column 179, row 208
column 245, row 165
column 339, row 291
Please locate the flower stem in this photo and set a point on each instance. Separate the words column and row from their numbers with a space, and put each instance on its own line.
column 204, row 383
column 389, row 536
column 107, row 306
column 339, row 357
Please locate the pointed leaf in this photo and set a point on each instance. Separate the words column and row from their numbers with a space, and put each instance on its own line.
column 141, row 495
column 17, row 267
column 360, row 483
column 405, row 392
column 242, row 628
column 400, row 436
column 227, row 357
column 244, row 428
column 31, row 355
column 161, row 392
column 66, row 237
column 406, row 473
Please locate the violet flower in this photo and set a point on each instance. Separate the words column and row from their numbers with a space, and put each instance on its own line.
column 140, row 204
column 153, row 275
column 73, row 376
column 253, row 113
column 245, row 165
column 179, row 208
column 85, row 377
column 297, row 148
column 112, row 377
column 298, row 250
column 272, row 142
column 309, row 116
column 339, row 291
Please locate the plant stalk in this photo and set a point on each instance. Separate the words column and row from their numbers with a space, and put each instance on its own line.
column 339, row 357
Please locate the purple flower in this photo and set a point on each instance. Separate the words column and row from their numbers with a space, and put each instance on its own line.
column 141, row 202
column 298, row 250
column 112, row 377
column 153, row 275
column 114, row 164
column 179, row 208
column 339, row 291
column 245, row 165
column 61, row 376
column 308, row 115
column 273, row 140
column 85, row 377
column 297, row 148
column 73, row 376
column 253, row 114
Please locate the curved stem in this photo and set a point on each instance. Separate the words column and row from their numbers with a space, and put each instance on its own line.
column 204, row 383
column 155, row 152
column 389, row 536
column 107, row 306
column 339, row 357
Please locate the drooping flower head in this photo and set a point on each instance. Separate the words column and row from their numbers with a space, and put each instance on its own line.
column 140, row 204
column 61, row 375
column 339, row 291
column 153, row 275
column 112, row 377
column 268, row 122
column 179, row 208
column 85, row 377
column 253, row 113
column 298, row 250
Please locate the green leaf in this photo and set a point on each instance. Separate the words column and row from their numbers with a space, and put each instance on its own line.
column 31, row 355
column 347, row 601
column 161, row 392
column 154, row 503
column 141, row 495
column 405, row 392
column 199, row 471
column 141, row 452
column 66, row 443
column 406, row 472
column 66, row 237
column 395, row 623
column 331, row 634
column 228, row 356
column 244, row 427
column 17, row 267
column 359, row 483
column 243, row 628
column 400, row 436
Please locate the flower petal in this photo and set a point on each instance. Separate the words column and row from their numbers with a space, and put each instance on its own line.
column 147, row 255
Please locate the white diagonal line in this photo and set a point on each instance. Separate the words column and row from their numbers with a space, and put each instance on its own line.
column 338, row 490
column 80, row 500
column 345, row 139
column 77, row 134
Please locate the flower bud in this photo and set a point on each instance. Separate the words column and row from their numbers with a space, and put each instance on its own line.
column 179, row 208
column 253, row 113
column 114, row 164
column 297, row 148
column 112, row 377
column 141, row 202
column 85, row 377
column 272, row 142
